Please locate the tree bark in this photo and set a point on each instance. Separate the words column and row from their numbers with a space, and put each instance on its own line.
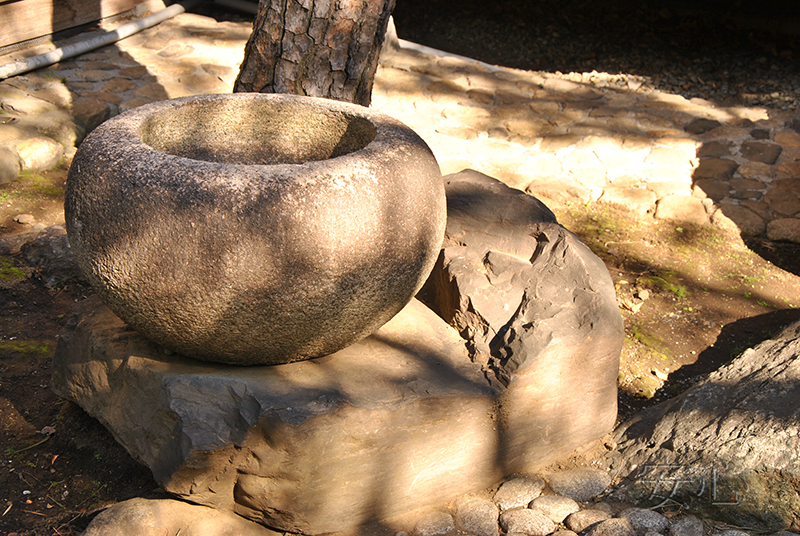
column 321, row 48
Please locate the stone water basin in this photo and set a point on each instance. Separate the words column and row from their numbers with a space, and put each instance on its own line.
column 255, row 229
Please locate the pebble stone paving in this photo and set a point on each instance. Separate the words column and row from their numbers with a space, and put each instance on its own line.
column 570, row 138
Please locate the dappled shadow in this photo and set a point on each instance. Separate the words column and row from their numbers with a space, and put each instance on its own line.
column 678, row 47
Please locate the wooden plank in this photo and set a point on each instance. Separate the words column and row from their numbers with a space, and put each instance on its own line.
column 26, row 19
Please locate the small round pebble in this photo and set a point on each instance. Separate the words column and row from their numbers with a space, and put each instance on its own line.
column 527, row 522
column 555, row 507
column 477, row 516
column 687, row 526
column 618, row 526
column 518, row 492
column 580, row 484
column 434, row 524
column 580, row 521
column 645, row 520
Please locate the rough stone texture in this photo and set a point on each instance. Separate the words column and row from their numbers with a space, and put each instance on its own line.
column 713, row 188
column 255, row 229
column 580, row 521
column 643, row 520
column 52, row 257
column 784, row 229
column 142, row 517
column 434, row 524
column 687, row 526
column 701, row 126
column 313, row 446
column 682, row 208
column 38, row 153
column 526, row 521
column 731, row 441
column 518, row 492
column 761, row 151
column 738, row 217
column 90, row 113
column 637, row 200
column 612, row 527
column 715, row 168
column 784, row 196
column 477, row 516
column 560, row 190
column 538, row 310
column 9, row 166
column 580, row 484
column 555, row 507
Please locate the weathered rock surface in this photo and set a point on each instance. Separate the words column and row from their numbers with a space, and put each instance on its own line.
column 728, row 446
column 526, row 521
column 538, row 310
column 580, row 521
column 555, row 507
column 314, row 446
column 580, row 484
column 142, row 517
column 477, row 516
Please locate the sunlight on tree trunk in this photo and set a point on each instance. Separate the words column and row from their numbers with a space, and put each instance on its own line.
column 321, row 48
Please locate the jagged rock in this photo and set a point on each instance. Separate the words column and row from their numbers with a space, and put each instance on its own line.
column 730, row 443
column 529, row 296
column 143, row 517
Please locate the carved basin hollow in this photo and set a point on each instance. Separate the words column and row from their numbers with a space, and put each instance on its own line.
column 255, row 228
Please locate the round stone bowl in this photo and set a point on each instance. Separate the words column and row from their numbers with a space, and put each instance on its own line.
column 255, row 229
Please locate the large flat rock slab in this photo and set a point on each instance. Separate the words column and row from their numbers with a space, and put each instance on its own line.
column 371, row 431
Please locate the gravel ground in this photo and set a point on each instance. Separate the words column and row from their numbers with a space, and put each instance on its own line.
column 737, row 52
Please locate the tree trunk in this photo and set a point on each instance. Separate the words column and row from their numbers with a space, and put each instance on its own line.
column 321, row 48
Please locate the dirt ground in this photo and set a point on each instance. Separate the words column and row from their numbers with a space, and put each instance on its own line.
column 692, row 299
